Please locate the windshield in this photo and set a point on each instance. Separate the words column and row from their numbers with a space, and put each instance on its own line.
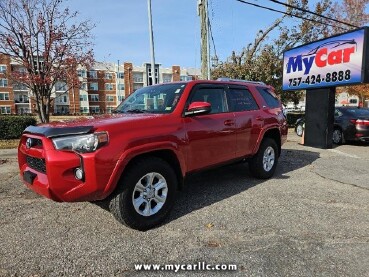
column 153, row 99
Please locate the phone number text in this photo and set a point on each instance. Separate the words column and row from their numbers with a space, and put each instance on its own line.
column 330, row 77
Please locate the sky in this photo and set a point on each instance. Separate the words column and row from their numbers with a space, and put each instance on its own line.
column 122, row 29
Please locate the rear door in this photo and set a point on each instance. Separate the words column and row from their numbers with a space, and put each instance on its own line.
column 248, row 119
column 212, row 136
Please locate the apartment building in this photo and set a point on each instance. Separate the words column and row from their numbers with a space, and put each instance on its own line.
column 101, row 89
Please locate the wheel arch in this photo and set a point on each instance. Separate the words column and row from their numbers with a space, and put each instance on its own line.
column 167, row 155
column 274, row 134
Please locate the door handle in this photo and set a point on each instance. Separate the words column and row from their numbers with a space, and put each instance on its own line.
column 229, row 122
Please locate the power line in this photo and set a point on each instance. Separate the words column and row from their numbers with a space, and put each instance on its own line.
column 290, row 14
column 314, row 13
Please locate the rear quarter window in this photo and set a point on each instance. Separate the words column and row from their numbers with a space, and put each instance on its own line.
column 269, row 97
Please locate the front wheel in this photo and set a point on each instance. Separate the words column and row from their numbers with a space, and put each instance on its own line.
column 299, row 129
column 146, row 194
column 264, row 163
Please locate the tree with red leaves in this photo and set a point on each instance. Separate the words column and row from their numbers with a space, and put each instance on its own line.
column 48, row 42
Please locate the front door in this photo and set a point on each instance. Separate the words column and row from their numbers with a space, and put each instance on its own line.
column 212, row 136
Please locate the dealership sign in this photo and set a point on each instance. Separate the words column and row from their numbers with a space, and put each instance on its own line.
column 335, row 61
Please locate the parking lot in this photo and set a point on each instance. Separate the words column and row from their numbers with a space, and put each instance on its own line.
column 311, row 219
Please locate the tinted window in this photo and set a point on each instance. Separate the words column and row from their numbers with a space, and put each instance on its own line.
column 241, row 100
column 214, row 96
column 269, row 97
column 356, row 112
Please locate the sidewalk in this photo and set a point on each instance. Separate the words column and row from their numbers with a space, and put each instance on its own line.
column 8, row 154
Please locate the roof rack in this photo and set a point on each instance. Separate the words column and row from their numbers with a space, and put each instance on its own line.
column 239, row 80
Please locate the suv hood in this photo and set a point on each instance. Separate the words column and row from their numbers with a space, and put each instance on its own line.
column 83, row 125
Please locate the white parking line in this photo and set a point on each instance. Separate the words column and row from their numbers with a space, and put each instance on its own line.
column 344, row 154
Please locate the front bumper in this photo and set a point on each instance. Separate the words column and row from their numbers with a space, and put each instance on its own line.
column 51, row 173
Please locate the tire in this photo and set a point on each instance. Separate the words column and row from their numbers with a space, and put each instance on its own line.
column 337, row 136
column 145, row 195
column 299, row 129
column 264, row 163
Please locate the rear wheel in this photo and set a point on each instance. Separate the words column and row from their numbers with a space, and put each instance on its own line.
column 337, row 136
column 146, row 194
column 264, row 163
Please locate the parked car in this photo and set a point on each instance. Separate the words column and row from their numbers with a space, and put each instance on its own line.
column 299, row 126
column 350, row 124
column 139, row 156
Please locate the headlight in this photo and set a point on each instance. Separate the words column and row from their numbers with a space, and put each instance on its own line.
column 81, row 143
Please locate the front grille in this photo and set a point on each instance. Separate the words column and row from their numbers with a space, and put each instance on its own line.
column 36, row 164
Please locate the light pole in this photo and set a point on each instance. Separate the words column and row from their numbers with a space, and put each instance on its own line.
column 151, row 43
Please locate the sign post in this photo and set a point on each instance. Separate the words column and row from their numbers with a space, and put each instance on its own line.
column 320, row 67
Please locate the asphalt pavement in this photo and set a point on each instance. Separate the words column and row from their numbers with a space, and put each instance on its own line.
column 311, row 219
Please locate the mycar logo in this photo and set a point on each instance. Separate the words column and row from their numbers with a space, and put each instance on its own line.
column 323, row 55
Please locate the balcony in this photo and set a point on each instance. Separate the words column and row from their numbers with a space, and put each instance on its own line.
column 138, row 80
column 21, row 101
column 20, row 88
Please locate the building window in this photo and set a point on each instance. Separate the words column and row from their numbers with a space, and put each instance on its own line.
column 94, row 109
column 94, row 97
column 92, row 74
column 19, row 86
column 93, row 86
column 83, row 110
column 120, row 75
column 109, row 109
column 62, row 99
column 353, row 101
column 61, row 86
column 185, row 78
column 62, row 110
column 3, row 82
column 5, row 110
column 83, row 97
column 22, row 99
column 167, row 78
column 120, row 98
column 138, row 77
column 120, row 86
column 83, row 86
column 109, row 76
column 82, row 73
column 110, row 98
column 2, row 68
column 137, row 86
column 4, row 96
column 108, row 86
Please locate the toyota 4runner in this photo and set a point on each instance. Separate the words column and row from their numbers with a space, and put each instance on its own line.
column 138, row 157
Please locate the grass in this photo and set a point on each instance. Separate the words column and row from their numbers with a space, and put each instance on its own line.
column 8, row 143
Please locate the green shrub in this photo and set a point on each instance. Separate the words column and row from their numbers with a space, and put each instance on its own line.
column 11, row 127
column 292, row 117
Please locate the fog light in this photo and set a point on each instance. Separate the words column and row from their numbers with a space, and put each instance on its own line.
column 78, row 173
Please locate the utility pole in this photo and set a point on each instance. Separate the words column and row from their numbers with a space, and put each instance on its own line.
column 151, row 43
column 118, row 85
column 203, row 13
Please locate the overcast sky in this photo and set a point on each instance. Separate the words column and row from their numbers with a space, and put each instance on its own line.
column 122, row 31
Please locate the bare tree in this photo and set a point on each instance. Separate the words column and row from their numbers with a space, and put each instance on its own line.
column 48, row 42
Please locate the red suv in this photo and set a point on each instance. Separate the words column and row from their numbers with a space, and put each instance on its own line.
column 138, row 157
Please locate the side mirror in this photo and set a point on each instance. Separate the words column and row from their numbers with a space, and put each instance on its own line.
column 197, row 108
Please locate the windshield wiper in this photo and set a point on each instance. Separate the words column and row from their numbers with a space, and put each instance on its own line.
column 136, row 111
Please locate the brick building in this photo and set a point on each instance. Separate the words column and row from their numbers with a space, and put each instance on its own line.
column 101, row 88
